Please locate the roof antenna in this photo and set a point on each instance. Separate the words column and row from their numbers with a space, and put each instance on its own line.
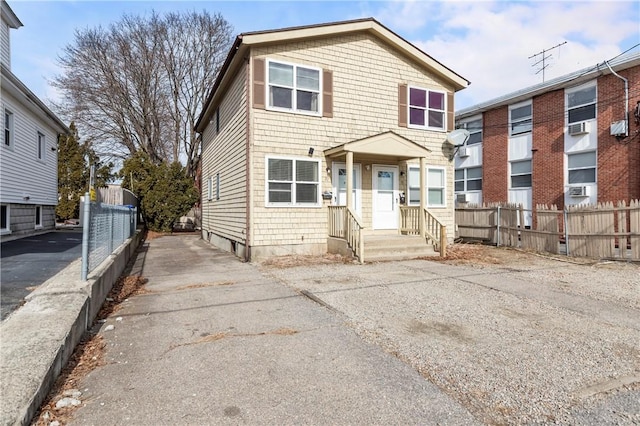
column 543, row 61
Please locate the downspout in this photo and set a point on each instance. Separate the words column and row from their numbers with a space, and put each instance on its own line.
column 247, row 85
column 626, row 99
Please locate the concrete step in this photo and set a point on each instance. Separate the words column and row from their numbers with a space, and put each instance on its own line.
column 395, row 247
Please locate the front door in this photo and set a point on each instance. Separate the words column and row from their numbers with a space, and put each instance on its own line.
column 385, row 197
column 339, row 174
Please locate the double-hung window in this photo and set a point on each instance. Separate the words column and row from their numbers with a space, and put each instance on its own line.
column 8, row 128
column 209, row 188
column 426, row 109
column 521, row 174
column 469, row 179
column 475, row 131
column 581, row 104
column 435, row 186
column 293, row 182
column 294, row 88
column 520, row 119
column 41, row 145
column 582, row 167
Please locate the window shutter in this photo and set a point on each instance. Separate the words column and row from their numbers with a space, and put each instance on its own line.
column 258, row 83
column 450, row 112
column 402, row 105
column 327, row 93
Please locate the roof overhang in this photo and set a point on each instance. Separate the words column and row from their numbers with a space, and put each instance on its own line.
column 387, row 144
column 244, row 41
column 9, row 16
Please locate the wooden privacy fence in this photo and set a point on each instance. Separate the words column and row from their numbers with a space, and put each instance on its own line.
column 598, row 231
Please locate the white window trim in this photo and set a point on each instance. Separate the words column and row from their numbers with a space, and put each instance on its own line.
column 444, row 188
column 426, row 109
column 36, row 208
column 511, row 174
column 293, row 110
column 11, row 128
column 209, row 188
column 318, row 203
column 568, row 91
column 595, row 167
column 41, row 144
column 7, row 230
column 530, row 118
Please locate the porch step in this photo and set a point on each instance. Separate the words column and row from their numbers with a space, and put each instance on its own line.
column 384, row 247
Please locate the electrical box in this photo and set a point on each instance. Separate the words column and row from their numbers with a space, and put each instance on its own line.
column 619, row 128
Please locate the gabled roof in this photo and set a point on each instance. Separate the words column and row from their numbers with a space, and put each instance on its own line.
column 291, row 34
column 388, row 144
column 9, row 16
column 575, row 78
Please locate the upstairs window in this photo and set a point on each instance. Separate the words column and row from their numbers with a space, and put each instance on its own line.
column 426, row 109
column 521, row 174
column 8, row 128
column 520, row 118
column 475, row 131
column 293, row 88
column 41, row 146
column 292, row 182
column 582, row 167
column 581, row 105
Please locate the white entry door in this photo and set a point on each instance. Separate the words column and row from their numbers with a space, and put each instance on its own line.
column 385, row 197
column 339, row 174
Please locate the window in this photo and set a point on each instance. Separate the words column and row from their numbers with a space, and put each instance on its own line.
column 413, row 186
column 217, row 186
column 581, row 105
column 38, row 216
column 475, row 131
column 520, row 119
column 4, row 219
column 8, row 128
column 209, row 188
column 469, row 179
column 293, row 182
column 294, row 88
column 521, row 174
column 426, row 108
column 41, row 146
column 582, row 167
column 435, row 187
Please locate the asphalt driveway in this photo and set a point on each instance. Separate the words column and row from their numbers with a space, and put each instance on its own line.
column 30, row 261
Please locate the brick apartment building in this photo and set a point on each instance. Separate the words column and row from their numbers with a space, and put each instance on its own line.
column 571, row 140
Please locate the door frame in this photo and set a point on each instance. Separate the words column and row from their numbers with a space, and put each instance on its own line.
column 357, row 185
column 374, row 190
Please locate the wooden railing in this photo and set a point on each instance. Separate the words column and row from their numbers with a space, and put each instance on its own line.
column 344, row 223
column 434, row 229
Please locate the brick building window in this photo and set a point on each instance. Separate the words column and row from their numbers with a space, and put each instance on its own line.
column 293, row 87
column 475, row 130
column 520, row 117
column 521, row 174
column 469, row 179
column 581, row 104
column 292, row 182
column 426, row 109
column 582, row 167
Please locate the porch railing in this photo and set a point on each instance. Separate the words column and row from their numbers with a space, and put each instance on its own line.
column 434, row 229
column 344, row 223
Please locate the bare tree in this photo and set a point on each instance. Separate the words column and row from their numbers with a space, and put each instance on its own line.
column 140, row 84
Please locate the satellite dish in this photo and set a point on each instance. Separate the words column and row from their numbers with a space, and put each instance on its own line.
column 458, row 137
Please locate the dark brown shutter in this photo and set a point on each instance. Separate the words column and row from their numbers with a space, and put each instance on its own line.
column 402, row 105
column 327, row 93
column 450, row 112
column 258, row 83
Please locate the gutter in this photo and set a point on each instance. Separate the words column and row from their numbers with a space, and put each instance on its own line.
column 626, row 99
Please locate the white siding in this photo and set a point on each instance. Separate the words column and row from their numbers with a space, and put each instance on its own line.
column 225, row 153
column 5, row 46
column 21, row 173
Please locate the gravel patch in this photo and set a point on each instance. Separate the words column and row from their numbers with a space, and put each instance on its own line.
column 519, row 339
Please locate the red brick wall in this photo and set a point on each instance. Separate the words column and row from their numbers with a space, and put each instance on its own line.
column 618, row 159
column 495, row 146
column 548, row 149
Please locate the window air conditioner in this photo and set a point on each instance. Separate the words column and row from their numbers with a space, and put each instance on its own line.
column 461, row 198
column 579, row 191
column 578, row 128
column 463, row 152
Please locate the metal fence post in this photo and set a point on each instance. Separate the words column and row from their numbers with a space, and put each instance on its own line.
column 86, row 223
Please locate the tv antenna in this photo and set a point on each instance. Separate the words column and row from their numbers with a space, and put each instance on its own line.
column 543, row 61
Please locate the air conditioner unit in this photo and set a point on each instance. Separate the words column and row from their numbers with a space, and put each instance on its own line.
column 579, row 191
column 578, row 128
column 619, row 128
column 461, row 198
column 463, row 152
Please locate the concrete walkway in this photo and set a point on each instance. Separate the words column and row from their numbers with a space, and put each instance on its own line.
column 216, row 342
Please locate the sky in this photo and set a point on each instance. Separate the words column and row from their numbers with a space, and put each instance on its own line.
column 493, row 44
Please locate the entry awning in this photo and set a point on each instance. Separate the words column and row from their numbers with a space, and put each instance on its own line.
column 388, row 144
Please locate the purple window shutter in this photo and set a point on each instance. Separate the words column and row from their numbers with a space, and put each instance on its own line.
column 402, row 105
column 327, row 93
column 450, row 112
column 258, row 83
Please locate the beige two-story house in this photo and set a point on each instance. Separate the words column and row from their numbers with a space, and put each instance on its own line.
column 328, row 137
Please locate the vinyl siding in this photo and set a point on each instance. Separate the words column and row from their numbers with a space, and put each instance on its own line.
column 225, row 153
column 366, row 75
column 21, row 171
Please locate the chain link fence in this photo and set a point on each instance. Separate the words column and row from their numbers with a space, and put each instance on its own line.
column 105, row 228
